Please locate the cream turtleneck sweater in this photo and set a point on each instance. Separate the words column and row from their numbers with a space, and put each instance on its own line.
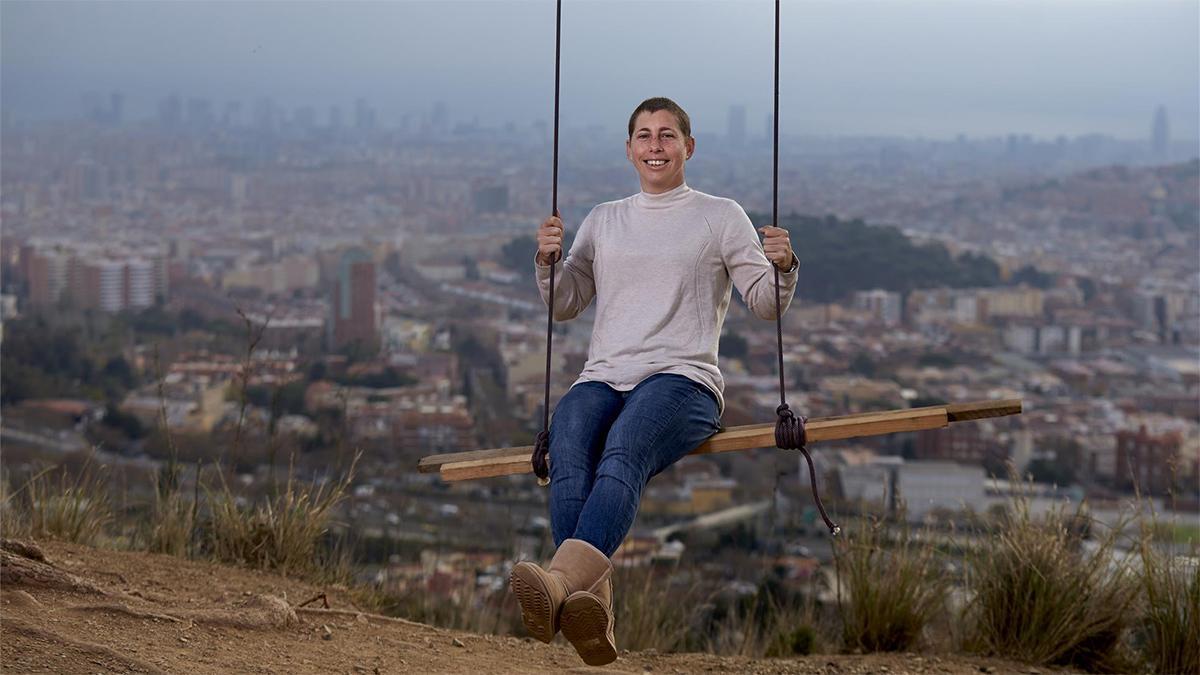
column 661, row 268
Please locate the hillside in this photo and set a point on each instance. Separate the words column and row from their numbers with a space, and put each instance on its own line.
column 86, row 610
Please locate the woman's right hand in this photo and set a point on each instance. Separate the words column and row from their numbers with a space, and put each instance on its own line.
column 549, row 239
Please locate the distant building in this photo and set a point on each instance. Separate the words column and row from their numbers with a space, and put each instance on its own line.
column 48, row 276
column 964, row 443
column 1152, row 463
column 490, row 199
column 1160, row 135
column 885, row 306
column 917, row 488
column 353, row 304
column 109, row 283
column 943, row 307
column 284, row 276
column 1024, row 302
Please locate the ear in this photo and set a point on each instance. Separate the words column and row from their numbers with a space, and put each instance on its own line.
column 691, row 146
column 628, row 151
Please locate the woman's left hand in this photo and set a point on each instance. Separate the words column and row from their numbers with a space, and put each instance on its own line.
column 777, row 246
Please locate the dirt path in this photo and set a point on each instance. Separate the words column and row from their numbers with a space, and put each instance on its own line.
column 92, row 611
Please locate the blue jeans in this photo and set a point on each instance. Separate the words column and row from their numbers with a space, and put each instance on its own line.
column 606, row 444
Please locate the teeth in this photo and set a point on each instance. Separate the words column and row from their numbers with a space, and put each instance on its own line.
column 656, row 162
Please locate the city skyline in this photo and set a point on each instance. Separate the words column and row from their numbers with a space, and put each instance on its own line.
column 1080, row 68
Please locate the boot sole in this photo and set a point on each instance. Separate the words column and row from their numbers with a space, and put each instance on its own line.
column 584, row 622
column 536, row 609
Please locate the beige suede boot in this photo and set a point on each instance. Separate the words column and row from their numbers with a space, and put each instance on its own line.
column 587, row 622
column 576, row 566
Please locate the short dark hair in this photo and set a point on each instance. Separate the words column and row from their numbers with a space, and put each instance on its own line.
column 652, row 105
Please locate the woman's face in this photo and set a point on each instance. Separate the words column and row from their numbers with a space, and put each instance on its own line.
column 658, row 151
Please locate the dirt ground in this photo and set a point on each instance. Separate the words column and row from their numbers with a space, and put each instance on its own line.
column 84, row 610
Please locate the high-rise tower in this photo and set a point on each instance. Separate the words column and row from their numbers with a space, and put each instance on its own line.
column 353, row 303
column 1160, row 137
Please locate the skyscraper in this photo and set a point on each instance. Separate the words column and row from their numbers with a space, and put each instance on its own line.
column 353, row 304
column 1160, row 137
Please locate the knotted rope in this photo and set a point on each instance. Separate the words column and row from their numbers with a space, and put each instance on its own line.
column 789, row 429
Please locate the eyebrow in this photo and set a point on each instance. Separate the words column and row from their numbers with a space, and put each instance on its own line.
column 660, row 129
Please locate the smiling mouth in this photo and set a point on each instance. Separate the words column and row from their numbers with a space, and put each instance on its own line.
column 655, row 163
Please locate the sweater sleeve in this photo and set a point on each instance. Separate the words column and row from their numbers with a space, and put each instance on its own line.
column 749, row 268
column 574, row 279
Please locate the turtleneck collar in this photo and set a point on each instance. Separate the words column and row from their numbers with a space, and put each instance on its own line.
column 663, row 200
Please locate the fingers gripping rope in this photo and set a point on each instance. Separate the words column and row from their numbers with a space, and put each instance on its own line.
column 541, row 450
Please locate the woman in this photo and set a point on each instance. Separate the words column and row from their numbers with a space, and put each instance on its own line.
column 660, row 265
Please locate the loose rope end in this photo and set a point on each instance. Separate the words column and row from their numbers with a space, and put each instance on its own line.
column 541, row 458
column 791, row 435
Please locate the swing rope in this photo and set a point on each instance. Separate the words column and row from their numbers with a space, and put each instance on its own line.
column 541, row 447
column 789, row 428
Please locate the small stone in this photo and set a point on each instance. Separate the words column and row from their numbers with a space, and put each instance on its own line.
column 326, row 634
column 457, row 643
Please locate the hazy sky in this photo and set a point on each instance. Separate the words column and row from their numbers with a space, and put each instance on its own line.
column 936, row 69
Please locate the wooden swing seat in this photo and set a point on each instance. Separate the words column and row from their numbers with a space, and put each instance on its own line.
column 459, row 466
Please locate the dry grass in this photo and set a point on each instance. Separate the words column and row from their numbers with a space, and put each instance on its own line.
column 1040, row 597
column 172, row 522
column 1171, row 614
column 467, row 608
column 648, row 612
column 11, row 522
column 891, row 590
column 279, row 532
column 766, row 628
column 75, row 508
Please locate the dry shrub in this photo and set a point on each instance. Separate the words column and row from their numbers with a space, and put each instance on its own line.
column 76, row 508
column 648, row 612
column 891, row 589
column 466, row 607
column 279, row 532
column 1040, row 597
column 172, row 523
column 766, row 628
column 12, row 525
column 1171, row 619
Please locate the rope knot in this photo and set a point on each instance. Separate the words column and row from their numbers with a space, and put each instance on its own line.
column 541, row 458
column 789, row 429
column 791, row 435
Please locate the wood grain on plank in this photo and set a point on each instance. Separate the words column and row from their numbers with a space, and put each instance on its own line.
column 511, row 461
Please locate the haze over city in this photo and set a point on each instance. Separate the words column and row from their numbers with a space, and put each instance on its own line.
column 269, row 299
column 933, row 69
